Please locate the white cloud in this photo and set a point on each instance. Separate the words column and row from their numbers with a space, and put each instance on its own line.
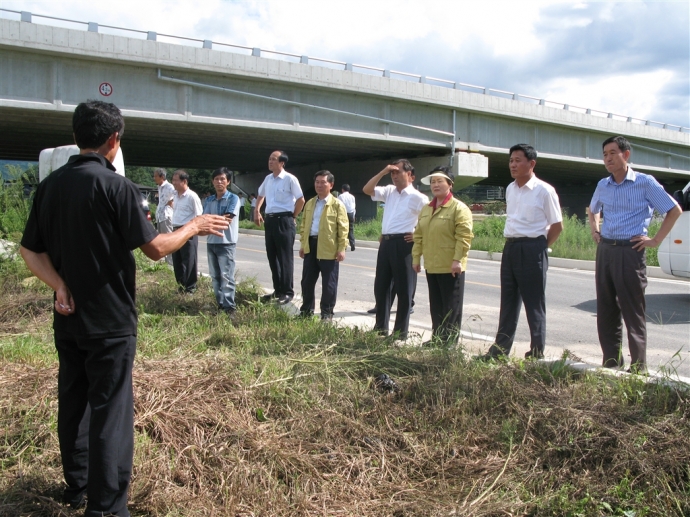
column 632, row 95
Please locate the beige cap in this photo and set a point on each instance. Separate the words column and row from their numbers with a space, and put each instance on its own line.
column 427, row 180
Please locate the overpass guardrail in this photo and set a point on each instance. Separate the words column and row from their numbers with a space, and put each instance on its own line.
column 28, row 17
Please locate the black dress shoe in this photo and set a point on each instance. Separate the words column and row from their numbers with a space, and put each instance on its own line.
column 284, row 299
column 372, row 311
column 488, row 357
column 267, row 297
column 534, row 354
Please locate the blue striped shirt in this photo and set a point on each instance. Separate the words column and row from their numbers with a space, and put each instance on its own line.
column 628, row 206
column 228, row 204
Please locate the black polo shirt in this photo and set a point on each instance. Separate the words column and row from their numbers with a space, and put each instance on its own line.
column 88, row 219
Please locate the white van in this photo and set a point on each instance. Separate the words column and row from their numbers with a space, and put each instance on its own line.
column 674, row 250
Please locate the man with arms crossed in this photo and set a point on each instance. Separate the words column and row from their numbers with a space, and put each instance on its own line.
column 394, row 260
column 533, row 224
column 164, row 213
column 628, row 199
column 325, row 222
column 83, row 224
column 284, row 202
column 186, row 206
column 348, row 200
column 221, row 250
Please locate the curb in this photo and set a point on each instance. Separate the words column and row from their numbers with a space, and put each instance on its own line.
column 583, row 265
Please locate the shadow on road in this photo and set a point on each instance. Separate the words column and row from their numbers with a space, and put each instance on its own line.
column 662, row 309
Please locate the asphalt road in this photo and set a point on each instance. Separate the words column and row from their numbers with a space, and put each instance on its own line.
column 570, row 305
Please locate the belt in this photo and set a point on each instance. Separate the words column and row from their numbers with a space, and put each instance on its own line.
column 389, row 236
column 280, row 214
column 524, row 239
column 617, row 242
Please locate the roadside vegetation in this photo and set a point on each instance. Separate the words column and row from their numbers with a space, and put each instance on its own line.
column 574, row 243
column 270, row 415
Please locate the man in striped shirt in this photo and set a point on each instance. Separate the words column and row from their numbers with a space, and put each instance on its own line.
column 627, row 199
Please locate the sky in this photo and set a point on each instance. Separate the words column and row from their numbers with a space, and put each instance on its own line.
column 630, row 58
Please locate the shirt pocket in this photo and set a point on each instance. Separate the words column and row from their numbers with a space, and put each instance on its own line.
column 283, row 195
column 530, row 213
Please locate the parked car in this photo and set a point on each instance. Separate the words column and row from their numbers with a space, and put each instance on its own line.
column 674, row 250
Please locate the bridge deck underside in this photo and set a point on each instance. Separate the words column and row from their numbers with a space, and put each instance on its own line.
column 149, row 142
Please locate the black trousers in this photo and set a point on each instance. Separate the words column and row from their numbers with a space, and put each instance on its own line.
column 329, row 270
column 446, row 293
column 184, row 265
column 351, row 231
column 621, row 280
column 280, row 239
column 394, row 264
column 96, row 420
column 523, row 279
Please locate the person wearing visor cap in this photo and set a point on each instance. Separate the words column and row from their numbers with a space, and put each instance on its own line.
column 443, row 237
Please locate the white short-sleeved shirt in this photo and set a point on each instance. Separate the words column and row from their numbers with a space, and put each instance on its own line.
column 531, row 209
column 349, row 201
column 280, row 192
column 166, row 192
column 186, row 207
column 402, row 208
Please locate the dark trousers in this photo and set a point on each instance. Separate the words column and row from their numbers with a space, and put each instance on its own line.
column 329, row 270
column 351, row 231
column 96, row 420
column 184, row 265
column 280, row 239
column 621, row 279
column 446, row 293
column 523, row 279
column 394, row 264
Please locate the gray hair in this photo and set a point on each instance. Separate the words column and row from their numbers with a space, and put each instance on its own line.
column 161, row 173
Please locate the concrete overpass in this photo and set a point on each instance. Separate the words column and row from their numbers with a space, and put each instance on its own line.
column 205, row 106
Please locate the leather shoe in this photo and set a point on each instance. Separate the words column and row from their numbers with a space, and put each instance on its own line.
column 488, row 357
column 268, row 297
column 284, row 299
column 534, row 354
column 372, row 311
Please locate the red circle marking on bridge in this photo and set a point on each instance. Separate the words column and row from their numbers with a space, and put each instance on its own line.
column 105, row 89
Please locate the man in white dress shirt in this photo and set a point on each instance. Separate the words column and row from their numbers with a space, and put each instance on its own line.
column 187, row 206
column 164, row 213
column 533, row 223
column 284, row 202
column 351, row 208
column 394, row 261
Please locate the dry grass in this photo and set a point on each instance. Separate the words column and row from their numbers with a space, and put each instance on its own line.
column 272, row 416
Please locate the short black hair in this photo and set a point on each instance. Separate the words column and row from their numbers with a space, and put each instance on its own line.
column 221, row 171
column 445, row 170
column 93, row 122
column 405, row 164
column 529, row 151
column 283, row 158
column 161, row 173
column 182, row 174
column 329, row 176
column 345, row 187
column 620, row 141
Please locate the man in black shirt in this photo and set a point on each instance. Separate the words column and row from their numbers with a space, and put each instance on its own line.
column 83, row 224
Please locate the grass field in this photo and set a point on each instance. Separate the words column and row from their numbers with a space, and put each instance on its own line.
column 270, row 415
